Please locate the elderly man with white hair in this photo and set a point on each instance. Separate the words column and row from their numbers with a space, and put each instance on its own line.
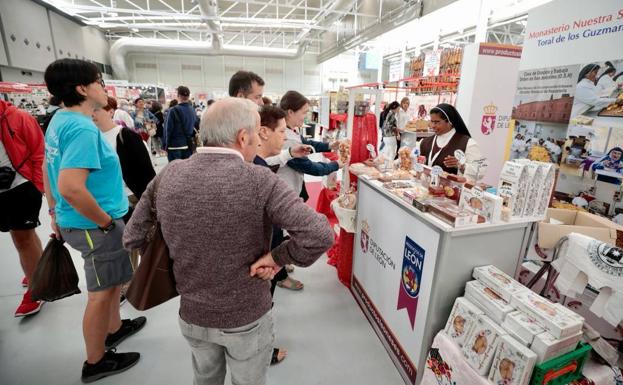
column 216, row 210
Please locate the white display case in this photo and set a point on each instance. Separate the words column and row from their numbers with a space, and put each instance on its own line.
column 409, row 267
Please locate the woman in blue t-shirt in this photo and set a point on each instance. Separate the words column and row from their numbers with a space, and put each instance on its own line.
column 84, row 190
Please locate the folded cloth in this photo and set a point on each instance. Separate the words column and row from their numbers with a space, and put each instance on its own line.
column 445, row 365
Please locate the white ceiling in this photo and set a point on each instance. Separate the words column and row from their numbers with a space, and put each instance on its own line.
column 270, row 23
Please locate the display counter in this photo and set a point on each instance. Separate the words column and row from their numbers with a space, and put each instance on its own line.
column 409, row 267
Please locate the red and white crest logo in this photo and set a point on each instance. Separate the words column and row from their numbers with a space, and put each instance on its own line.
column 488, row 119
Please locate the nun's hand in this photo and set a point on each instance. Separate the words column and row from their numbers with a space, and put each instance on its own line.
column 451, row 162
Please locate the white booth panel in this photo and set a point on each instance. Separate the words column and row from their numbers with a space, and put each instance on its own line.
column 34, row 54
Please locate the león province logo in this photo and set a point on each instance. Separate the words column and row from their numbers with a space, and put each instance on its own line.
column 410, row 278
column 488, row 119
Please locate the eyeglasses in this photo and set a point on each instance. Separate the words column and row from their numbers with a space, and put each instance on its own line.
column 100, row 80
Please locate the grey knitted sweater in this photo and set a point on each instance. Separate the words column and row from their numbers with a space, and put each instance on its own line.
column 216, row 213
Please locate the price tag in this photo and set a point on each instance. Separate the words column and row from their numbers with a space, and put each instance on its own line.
column 418, row 167
column 460, row 156
column 436, row 170
column 478, row 193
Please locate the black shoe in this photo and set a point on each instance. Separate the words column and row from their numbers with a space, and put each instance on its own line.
column 122, row 300
column 128, row 327
column 111, row 363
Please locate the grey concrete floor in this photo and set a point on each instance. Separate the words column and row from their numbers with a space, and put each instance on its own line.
column 328, row 338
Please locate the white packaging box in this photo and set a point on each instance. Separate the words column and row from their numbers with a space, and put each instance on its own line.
column 523, row 325
column 548, row 172
column 581, row 306
column 546, row 346
column 498, row 281
column 556, row 320
column 535, row 180
column 514, row 177
column 513, row 363
column 462, row 320
column 491, row 303
column 480, row 346
column 513, row 333
column 486, row 204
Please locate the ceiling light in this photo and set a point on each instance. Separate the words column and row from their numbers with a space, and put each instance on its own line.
column 134, row 29
column 112, row 14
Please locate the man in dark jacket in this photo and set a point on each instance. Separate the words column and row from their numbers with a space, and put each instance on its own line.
column 21, row 186
column 179, row 128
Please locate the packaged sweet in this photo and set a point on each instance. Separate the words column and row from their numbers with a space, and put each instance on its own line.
column 557, row 320
column 414, row 193
column 404, row 156
column 535, row 186
column 344, row 150
column 348, row 201
column 523, row 326
column 449, row 212
column 498, row 281
column 513, row 363
column 546, row 346
column 462, row 319
column 481, row 344
column 513, row 186
column 482, row 203
column 491, row 303
column 548, row 173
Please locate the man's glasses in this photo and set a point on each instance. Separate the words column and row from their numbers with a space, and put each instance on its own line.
column 100, row 80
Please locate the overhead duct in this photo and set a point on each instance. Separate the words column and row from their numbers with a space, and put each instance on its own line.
column 209, row 13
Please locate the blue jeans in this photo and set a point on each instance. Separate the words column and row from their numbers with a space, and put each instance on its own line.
column 178, row 154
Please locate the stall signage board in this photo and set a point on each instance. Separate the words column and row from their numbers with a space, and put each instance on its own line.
column 393, row 267
column 432, row 62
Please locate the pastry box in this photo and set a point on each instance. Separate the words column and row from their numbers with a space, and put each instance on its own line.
column 481, row 344
column 462, row 320
column 535, row 182
column 512, row 363
column 482, row 203
column 546, row 346
column 491, row 303
column 524, row 326
column 556, row 319
column 498, row 281
column 450, row 213
column 513, row 186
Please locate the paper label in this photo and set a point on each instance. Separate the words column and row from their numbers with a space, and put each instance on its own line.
column 460, row 156
column 436, row 170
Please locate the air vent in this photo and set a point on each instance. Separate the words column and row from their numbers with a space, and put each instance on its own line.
column 13, row 37
column 146, row 65
column 38, row 45
column 191, row 67
column 311, row 73
column 232, row 68
column 26, row 41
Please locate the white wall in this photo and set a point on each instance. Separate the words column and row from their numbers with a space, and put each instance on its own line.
column 27, row 20
column 211, row 74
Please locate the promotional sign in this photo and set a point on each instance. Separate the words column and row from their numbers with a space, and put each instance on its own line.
column 569, row 106
column 485, row 100
column 432, row 62
column 393, row 265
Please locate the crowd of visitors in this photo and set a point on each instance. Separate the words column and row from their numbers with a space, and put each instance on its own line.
column 228, row 203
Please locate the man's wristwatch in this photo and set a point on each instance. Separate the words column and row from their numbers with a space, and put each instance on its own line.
column 108, row 228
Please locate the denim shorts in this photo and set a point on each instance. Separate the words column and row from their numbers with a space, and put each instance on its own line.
column 106, row 263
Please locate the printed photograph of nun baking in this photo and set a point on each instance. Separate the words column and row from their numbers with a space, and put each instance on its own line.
column 570, row 116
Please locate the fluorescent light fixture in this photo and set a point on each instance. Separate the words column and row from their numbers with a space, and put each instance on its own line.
column 134, row 29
